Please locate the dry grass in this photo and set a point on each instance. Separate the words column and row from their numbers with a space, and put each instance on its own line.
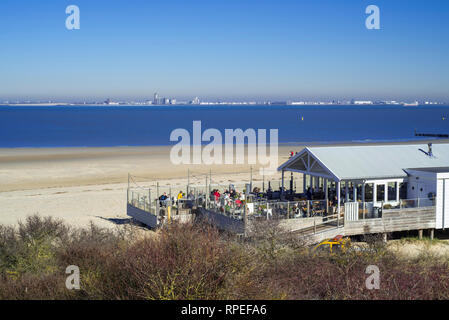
column 197, row 262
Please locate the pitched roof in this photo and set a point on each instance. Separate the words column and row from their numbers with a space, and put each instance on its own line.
column 371, row 161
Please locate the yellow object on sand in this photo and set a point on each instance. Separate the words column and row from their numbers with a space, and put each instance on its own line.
column 338, row 242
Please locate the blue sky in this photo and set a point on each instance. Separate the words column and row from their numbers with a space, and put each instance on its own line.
column 232, row 49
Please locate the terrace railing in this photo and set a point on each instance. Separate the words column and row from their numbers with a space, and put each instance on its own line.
column 371, row 210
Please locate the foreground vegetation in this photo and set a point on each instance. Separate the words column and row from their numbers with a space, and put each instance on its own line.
column 197, row 262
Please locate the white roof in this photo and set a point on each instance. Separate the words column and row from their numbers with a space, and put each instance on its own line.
column 369, row 161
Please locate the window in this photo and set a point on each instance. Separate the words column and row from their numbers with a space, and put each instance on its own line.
column 380, row 192
column 392, row 187
column 403, row 190
column 369, row 192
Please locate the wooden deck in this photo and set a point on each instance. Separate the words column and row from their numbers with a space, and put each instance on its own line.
column 393, row 220
column 314, row 229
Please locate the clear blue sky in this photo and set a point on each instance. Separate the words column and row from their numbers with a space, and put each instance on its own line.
column 233, row 49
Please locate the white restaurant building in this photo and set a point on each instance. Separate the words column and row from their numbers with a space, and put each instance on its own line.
column 377, row 174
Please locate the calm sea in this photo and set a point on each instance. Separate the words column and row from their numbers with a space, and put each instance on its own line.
column 77, row 126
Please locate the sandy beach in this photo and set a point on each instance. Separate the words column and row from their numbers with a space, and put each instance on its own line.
column 82, row 185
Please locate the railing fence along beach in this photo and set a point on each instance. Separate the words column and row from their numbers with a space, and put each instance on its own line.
column 237, row 206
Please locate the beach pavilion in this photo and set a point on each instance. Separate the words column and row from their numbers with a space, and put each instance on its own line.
column 375, row 173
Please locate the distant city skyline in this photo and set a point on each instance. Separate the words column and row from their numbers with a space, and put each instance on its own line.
column 230, row 50
column 161, row 100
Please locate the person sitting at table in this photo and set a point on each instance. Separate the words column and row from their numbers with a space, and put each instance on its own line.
column 309, row 194
column 163, row 200
column 217, row 195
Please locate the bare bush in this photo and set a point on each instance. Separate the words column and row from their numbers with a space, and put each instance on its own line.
column 196, row 261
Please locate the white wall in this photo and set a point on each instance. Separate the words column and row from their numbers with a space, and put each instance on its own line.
column 420, row 184
column 442, row 203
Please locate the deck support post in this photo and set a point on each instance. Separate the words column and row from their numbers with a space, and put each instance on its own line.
column 304, row 183
column 338, row 196
column 245, row 219
column 282, row 188
column 157, row 199
column 420, row 232
column 346, row 191
column 291, row 183
column 188, row 181
column 397, row 191
column 308, row 208
column 326, row 187
column 354, row 191
column 432, row 233
column 206, row 195
column 363, row 192
column 263, row 179
column 385, row 237
column 338, row 220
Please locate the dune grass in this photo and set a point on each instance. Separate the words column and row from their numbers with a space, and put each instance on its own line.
column 195, row 261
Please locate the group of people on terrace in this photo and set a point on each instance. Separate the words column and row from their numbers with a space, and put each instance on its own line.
column 168, row 200
column 230, row 197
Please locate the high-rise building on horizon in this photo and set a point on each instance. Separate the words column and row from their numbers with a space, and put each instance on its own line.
column 156, row 99
column 195, row 101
